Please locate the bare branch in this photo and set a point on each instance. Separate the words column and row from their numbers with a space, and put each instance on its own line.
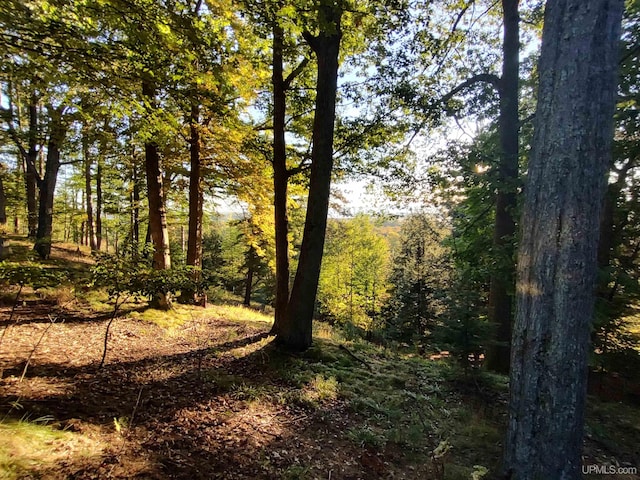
column 296, row 71
column 490, row 78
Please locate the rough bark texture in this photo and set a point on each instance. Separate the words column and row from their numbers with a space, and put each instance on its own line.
column 194, row 240
column 30, row 176
column 98, row 218
column 157, row 209
column 296, row 332
column 135, row 209
column 3, row 217
column 3, row 205
column 501, row 289
column 280, row 183
column 557, row 258
column 57, row 134
column 87, row 187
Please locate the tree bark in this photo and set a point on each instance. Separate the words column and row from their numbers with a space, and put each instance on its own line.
column 3, row 215
column 296, row 332
column 194, row 240
column 135, row 208
column 3, row 203
column 90, row 232
column 157, row 209
column 48, row 184
column 280, row 181
column 560, row 222
column 502, row 278
column 248, row 287
column 30, row 176
column 98, row 219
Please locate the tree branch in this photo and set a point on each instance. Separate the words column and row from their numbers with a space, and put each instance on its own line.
column 310, row 39
column 490, row 78
column 296, row 71
column 8, row 116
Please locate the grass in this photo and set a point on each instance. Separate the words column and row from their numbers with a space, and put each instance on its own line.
column 29, row 447
column 238, row 313
column 402, row 401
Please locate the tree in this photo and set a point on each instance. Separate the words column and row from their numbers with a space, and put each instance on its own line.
column 560, row 222
column 500, row 291
column 296, row 332
column 3, row 211
column 354, row 275
column 57, row 133
column 420, row 278
column 618, row 248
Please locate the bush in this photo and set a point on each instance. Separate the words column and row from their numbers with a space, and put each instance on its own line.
column 134, row 276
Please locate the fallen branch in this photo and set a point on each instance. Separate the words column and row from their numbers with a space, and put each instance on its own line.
column 355, row 357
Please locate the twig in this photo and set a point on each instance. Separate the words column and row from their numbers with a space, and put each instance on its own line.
column 354, row 356
column 116, row 307
column 135, row 409
column 33, row 351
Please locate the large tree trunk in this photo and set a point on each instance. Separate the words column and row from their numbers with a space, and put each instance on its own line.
column 3, row 204
column 280, row 182
column 194, row 240
column 3, row 216
column 296, row 332
column 30, row 175
column 87, row 187
column 501, row 289
column 135, row 210
column 157, row 210
column 98, row 219
column 560, row 221
column 48, row 185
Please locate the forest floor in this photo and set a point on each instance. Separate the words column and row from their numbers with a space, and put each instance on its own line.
column 201, row 393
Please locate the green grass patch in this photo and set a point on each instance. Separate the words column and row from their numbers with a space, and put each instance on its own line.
column 237, row 313
column 171, row 319
column 27, row 448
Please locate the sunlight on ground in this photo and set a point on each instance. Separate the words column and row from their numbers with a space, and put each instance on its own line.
column 181, row 315
column 168, row 319
column 237, row 313
column 35, row 447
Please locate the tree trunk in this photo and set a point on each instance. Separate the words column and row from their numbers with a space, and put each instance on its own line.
column 296, row 332
column 502, row 278
column 98, row 218
column 3, row 204
column 280, row 182
column 48, row 185
column 135, row 210
column 30, row 175
column 194, row 241
column 560, row 222
column 157, row 210
column 90, row 232
column 248, row 287
column 3, row 217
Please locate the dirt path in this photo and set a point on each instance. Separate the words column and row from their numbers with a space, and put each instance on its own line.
column 203, row 401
